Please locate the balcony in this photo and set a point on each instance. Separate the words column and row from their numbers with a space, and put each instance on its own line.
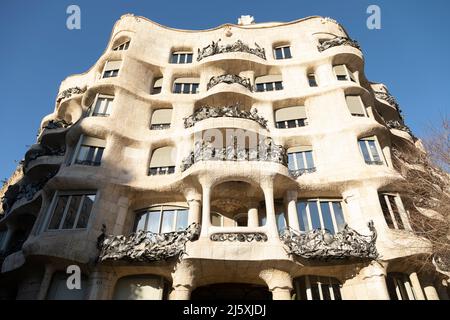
column 230, row 79
column 215, row 48
column 233, row 111
column 38, row 151
column 68, row 93
column 338, row 41
column 297, row 173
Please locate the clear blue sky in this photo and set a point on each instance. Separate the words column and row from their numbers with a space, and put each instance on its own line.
column 411, row 53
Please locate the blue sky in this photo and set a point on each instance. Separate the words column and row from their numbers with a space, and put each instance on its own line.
column 410, row 53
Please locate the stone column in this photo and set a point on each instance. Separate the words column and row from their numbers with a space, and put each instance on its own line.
column 368, row 284
column 271, row 220
column 182, row 281
column 291, row 201
column 253, row 219
column 279, row 283
column 45, row 283
column 206, row 210
column 429, row 288
column 100, row 286
column 194, row 211
column 418, row 293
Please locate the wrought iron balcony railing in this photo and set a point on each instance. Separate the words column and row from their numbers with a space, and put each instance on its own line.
column 322, row 245
column 38, row 150
column 146, row 246
column 69, row 92
column 229, row 79
column 214, row 48
column 297, row 173
column 394, row 124
column 338, row 41
column 206, row 112
column 238, row 237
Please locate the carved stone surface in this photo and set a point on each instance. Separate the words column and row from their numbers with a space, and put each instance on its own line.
column 297, row 173
column 238, row 46
column 239, row 237
column 39, row 150
column 145, row 246
column 323, row 245
column 266, row 151
column 388, row 98
column 338, row 41
column 229, row 79
column 206, row 112
column 394, row 124
column 68, row 93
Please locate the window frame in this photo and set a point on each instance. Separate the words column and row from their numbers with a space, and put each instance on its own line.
column 404, row 219
column 308, row 287
column 78, row 148
column 126, row 44
column 179, row 54
column 363, row 106
column 349, row 74
column 170, row 207
column 321, row 219
column 283, row 52
column 94, row 104
column 273, row 84
column 400, row 280
column 183, row 88
column 371, row 156
column 305, row 162
column 114, row 75
column 314, row 78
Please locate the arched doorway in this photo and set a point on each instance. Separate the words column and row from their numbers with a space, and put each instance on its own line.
column 231, row 291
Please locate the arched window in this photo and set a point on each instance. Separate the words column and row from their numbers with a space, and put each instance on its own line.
column 141, row 287
column 269, row 83
column 317, row 288
column 122, row 45
column 162, row 161
column 291, row 117
column 162, row 219
column 161, row 119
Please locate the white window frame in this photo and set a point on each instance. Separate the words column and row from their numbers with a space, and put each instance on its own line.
column 333, row 215
column 50, row 210
column 283, row 53
column 94, row 104
column 304, row 159
column 401, row 210
column 169, row 207
column 104, row 68
column 179, row 53
column 126, row 45
column 183, row 86
column 377, row 146
column 350, row 76
column 273, row 85
column 77, row 150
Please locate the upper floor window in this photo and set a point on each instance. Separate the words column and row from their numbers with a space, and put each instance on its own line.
column 390, row 204
column 291, row 117
column 343, row 73
column 370, row 151
column 90, row 151
column 161, row 119
column 186, row 85
column 102, row 106
column 320, row 214
column 122, row 46
column 111, row 69
column 269, row 83
column 282, row 52
column 301, row 159
column 356, row 106
column 312, row 80
column 162, row 161
column 157, row 86
column 162, row 219
column 70, row 210
column 180, row 57
column 317, row 288
column 399, row 286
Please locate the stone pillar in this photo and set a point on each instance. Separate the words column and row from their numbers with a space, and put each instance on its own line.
column 291, row 201
column 279, row 283
column 271, row 220
column 45, row 283
column 418, row 293
column 429, row 288
column 368, row 284
column 194, row 211
column 182, row 281
column 100, row 286
column 206, row 210
column 253, row 219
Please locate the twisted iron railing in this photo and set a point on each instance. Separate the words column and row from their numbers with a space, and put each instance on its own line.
column 338, row 41
column 229, row 79
column 214, row 48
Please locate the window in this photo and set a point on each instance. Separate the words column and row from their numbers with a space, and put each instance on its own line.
column 389, row 205
column 312, row 80
column 320, row 214
column 343, row 73
column 369, row 149
column 241, row 220
column 161, row 119
column 102, row 106
column 111, row 69
column 123, row 46
column 283, row 52
column 90, row 151
column 70, row 210
column 300, row 159
column 58, row 289
column 291, row 117
column 399, row 286
column 162, row 219
column 181, row 57
column 280, row 216
column 216, row 219
column 269, row 83
column 317, row 288
column 157, row 86
column 186, row 85
column 141, row 287
column 356, row 106
column 162, row 161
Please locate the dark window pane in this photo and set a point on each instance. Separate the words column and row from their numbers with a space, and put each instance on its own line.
column 86, row 207
column 326, row 216
column 309, row 159
column 390, row 281
column 58, row 212
column 182, row 219
column 365, row 152
column 314, row 288
column 337, row 291
column 339, row 215
column 195, row 88
column 269, row 86
column 396, row 212
column 278, row 85
column 314, row 212
column 291, row 161
column 281, row 125
column 72, row 212
column 291, row 124
column 302, row 216
column 325, row 291
column 386, row 213
column 299, row 160
column 156, row 90
column 174, row 58
column 341, row 77
column 373, row 150
column 259, row 87
column 153, row 171
column 189, row 58
column 177, row 88
column 98, row 156
column 300, row 289
column 312, row 81
column 186, row 88
column 182, row 58
column 281, row 222
column 170, row 170
column 287, row 52
column 278, row 54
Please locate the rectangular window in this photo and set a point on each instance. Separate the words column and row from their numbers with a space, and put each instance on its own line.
column 343, row 73
column 123, row 46
column 157, row 86
column 290, row 117
column 301, row 160
column 369, row 150
column 162, row 220
column 356, row 106
column 111, row 69
column 391, row 211
column 317, row 288
column 312, row 80
column 320, row 214
column 283, row 53
column 103, row 106
column 186, row 88
column 71, row 211
column 89, row 156
column 161, row 170
column 181, row 57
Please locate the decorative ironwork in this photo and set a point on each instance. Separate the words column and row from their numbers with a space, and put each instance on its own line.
column 322, row 245
column 145, row 246
column 238, row 237
column 38, row 150
column 206, row 112
column 297, row 173
column 229, row 79
column 388, row 98
column 265, row 151
column 57, row 124
column 68, row 93
column 214, row 48
column 394, row 124
column 338, row 41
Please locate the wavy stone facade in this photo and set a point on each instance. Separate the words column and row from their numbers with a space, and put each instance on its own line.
column 300, row 215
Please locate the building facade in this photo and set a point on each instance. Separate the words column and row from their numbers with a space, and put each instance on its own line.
column 250, row 161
